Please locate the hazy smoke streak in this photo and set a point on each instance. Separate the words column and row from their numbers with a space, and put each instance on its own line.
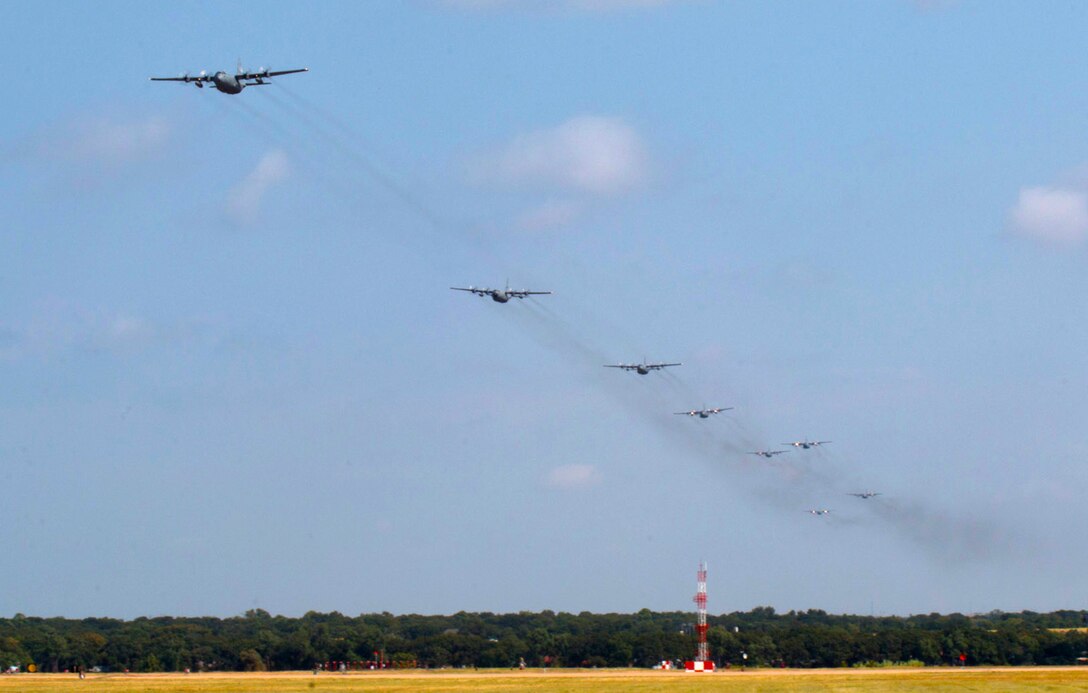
column 276, row 134
column 947, row 537
column 345, row 142
column 793, row 482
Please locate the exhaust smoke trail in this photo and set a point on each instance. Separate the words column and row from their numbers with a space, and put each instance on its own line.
column 278, row 135
column 344, row 141
column 790, row 482
column 949, row 538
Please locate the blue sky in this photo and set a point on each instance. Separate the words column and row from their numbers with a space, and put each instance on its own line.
column 234, row 376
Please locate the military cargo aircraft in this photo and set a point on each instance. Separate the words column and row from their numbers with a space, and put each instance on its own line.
column 806, row 444
column 501, row 295
column 228, row 83
column 702, row 413
column 642, row 368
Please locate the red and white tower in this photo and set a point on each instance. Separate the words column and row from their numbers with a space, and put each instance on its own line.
column 702, row 660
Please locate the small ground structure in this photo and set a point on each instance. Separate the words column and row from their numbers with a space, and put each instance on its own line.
column 702, row 661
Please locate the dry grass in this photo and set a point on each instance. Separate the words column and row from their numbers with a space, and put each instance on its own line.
column 1013, row 680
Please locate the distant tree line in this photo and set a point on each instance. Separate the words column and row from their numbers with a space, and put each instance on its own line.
column 761, row 637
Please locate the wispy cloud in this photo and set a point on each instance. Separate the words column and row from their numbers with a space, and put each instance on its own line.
column 90, row 147
column 57, row 327
column 1057, row 215
column 551, row 5
column 552, row 214
column 606, row 5
column 102, row 141
column 60, row 326
column 573, row 476
column 114, row 143
column 244, row 202
column 932, row 5
column 590, row 154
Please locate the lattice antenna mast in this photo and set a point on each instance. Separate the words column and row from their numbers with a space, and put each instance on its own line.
column 702, row 651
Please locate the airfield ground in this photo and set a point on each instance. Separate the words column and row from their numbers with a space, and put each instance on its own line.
column 1020, row 679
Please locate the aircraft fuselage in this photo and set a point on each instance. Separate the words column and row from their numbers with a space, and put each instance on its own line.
column 499, row 296
column 642, row 370
column 228, row 84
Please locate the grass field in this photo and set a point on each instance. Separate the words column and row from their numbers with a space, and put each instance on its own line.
column 609, row 680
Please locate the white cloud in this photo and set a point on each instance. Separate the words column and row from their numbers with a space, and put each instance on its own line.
column 244, row 202
column 573, row 476
column 1054, row 215
column 591, row 154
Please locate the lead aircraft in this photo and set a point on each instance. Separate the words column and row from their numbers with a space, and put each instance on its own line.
column 642, row 368
column 501, row 295
column 228, row 83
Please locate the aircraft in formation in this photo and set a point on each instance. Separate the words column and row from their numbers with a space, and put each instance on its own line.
column 500, row 295
column 702, row 413
column 807, row 444
column 235, row 83
column 642, row 368
column 228, row 83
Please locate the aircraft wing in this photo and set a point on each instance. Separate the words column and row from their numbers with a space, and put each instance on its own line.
column 624, row 366
column 183, row 78
column 267, row 73
column 471, row 288
column 685, row 413
column 521, row 294
column 659, row 366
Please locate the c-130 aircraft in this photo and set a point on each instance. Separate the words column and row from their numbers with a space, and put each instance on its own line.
column 501, row 295
column 642, row 368
column 228, row 83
